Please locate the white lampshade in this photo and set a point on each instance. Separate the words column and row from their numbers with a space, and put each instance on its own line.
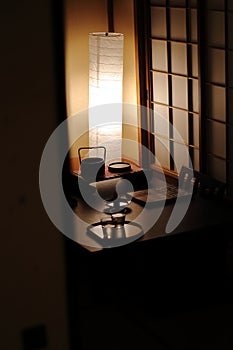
column 105, row 87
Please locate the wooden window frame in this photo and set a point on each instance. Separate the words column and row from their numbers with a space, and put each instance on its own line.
column 142, row 35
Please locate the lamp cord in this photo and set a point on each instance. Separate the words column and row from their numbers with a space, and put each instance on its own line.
column 110, row 16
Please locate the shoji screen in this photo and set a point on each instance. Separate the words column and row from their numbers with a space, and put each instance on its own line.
column 189, row 64
column 174, row 78
column 217, row 89
column 214, row 104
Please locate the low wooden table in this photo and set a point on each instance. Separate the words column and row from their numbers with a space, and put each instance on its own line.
column 109, row 175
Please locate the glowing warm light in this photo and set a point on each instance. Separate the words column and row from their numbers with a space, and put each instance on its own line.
column 105, row 87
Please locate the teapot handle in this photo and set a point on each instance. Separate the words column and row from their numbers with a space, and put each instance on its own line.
column 94, row 147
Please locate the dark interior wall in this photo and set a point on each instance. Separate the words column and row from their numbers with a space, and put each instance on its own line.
column 32, row 269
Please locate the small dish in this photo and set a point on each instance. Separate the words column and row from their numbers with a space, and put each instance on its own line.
column 119, row 167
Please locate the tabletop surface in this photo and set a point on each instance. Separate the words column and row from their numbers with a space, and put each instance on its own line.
column 199, row 214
